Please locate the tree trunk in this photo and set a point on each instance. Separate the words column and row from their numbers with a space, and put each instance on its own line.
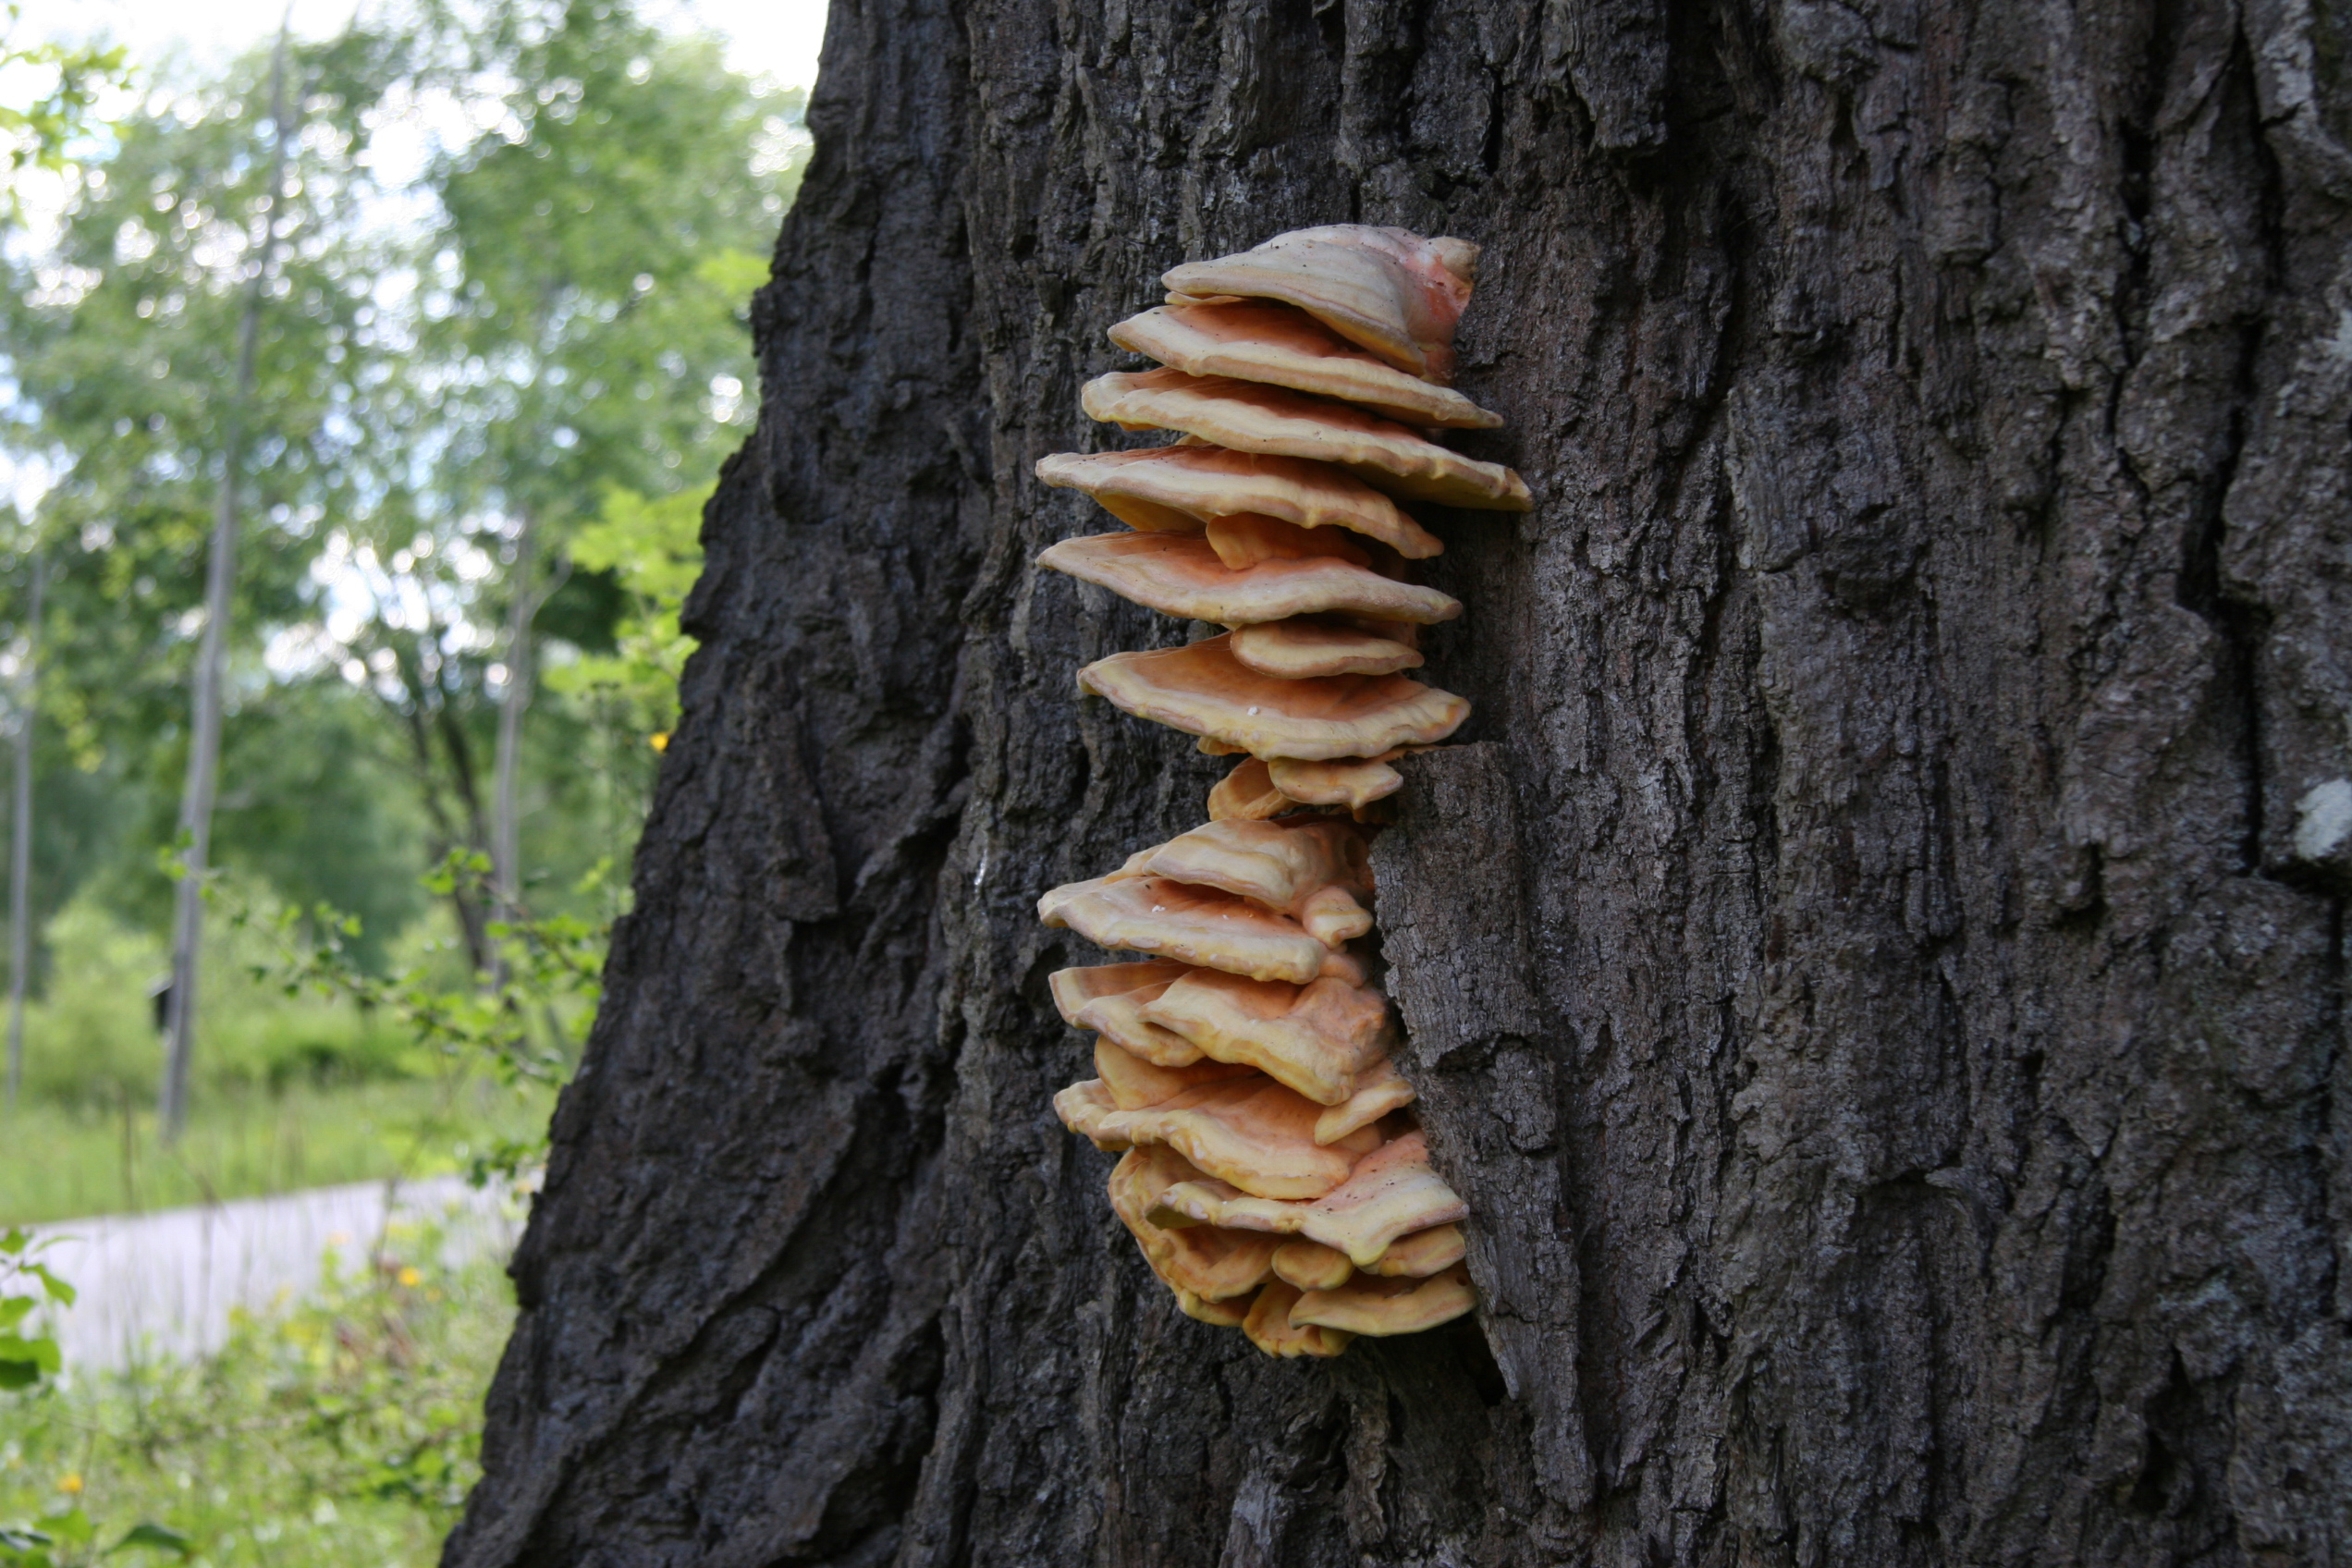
column 20, row 829
column 1874, row 966
column 212, row 652
column 514, row 701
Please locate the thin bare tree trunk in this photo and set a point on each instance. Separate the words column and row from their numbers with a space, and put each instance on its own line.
column 506, row 826
column 203, row 743
column 20, row 834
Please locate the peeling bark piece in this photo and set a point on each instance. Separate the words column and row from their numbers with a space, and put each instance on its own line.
column 1246, row 417
column 1178, row 489
column 1270, row 1328
column 1421, row 1254
column 1305, row 646
column 1319, row 1038
column 1311, row 1266
column 1353, row 782
column 1247, row 795
column 1370, row 1305
column 1391, row 1193
column 1283, row 345
column 1178, row 574
column 1202, row 1264
column 1380, row 1089
column 1110, row 997
column 1202, row 690
column 1197, row 925
column 1385, row 289
column 1134, row 1083
column 1251, row 1133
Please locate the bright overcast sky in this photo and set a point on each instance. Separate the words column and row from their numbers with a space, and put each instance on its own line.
column 771, row 38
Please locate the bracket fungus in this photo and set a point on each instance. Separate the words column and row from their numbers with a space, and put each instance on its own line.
column 1180, row 575
column 1273, row 1174
column 1202, row 690
column 1385, row 289
column 1310, row 646
column 1283, row 345
column 1183, row 489
column 1248, row 417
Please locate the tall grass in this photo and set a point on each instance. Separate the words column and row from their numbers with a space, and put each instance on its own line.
column 338, row 1433
column 290, row 1091
column 70, row 1161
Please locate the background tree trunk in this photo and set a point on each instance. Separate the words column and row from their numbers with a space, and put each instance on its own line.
column 1875, row 970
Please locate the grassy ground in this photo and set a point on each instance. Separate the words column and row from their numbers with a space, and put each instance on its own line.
column 66, row 1162
column 340, row 1433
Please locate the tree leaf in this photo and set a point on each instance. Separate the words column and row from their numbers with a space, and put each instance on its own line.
column 156, row 1537
column 72, row 1526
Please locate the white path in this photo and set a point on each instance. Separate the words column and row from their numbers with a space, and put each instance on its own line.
column 158, row 1286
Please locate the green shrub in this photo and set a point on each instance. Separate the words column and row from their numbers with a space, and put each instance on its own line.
column 91, row 1040
column 335, row 1433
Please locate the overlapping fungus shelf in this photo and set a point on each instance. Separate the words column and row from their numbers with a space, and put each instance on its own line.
column 1272, row 1169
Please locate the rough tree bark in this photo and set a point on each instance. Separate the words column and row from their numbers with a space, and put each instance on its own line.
column 1874, row 969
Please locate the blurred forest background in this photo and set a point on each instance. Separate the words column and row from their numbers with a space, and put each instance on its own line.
column 497, row 262
column 448, row 312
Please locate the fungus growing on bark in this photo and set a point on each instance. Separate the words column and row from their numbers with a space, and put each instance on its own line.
column 1135, row 1083
column 1318, row 1036
column 1109, row 998
column 1283, row 345
column 1182, row 489
column 1391, row 1193
column 1194, row 925
column 1424, row 1251
column 1270, row 1328
column 1355, row 782
column 1202, row 690
column 1379, row 1090
column 1311, row 645
column 1274, row 1176
column 1309, row 1266
column 1249, row 417
column 1307, row 869
column 1385, row 289
column 1249, row 1131
column 1202, row 1262
column 1247, row 795
column 1367, row 1304
column 1243, row 539
column 1179, row 574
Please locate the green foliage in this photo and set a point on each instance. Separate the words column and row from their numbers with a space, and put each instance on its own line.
column 547, row 335
column 342, row 1430
column 37, row 131
column 652, row 547
column 527, row 1028
column 62, row 1162
column 27, row 1355
column 91, row 1041
column 294, row 1089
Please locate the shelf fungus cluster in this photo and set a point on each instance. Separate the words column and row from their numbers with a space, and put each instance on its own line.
column 1273, row 1172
